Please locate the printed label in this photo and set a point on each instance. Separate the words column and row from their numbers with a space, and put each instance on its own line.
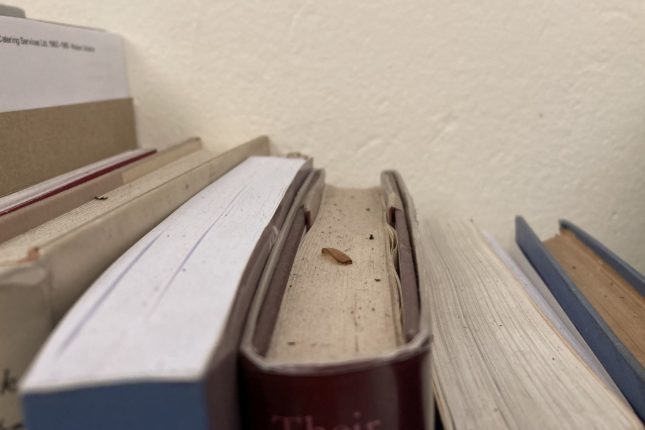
column 307, row 422
column 45, row 64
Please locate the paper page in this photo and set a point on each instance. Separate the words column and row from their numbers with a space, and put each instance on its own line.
column 45, row 64
column 549, row 307
column 159, row 311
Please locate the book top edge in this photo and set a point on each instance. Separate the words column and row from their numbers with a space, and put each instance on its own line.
column 184, row 274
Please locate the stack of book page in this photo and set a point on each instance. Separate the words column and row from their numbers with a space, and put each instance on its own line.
column 499, row 360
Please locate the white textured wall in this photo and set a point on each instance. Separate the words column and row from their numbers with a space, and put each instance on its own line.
column 488, row 108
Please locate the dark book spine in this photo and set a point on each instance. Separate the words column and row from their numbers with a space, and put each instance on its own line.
column 380, row 394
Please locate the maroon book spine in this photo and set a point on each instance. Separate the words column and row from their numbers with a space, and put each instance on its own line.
column 378, row 394
column 390, row 391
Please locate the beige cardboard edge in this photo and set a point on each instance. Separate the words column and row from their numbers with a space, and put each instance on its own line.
column 42, row 143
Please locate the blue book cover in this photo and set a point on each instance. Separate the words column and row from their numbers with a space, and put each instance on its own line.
column 619, row 362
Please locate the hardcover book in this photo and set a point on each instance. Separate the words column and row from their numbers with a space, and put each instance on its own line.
column 336, row 338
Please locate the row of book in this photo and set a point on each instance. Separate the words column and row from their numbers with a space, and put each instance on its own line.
column 196, row 288
column 273, row 300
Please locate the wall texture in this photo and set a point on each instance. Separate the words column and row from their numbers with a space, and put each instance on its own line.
column 489, row 109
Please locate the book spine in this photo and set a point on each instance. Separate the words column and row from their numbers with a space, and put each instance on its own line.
column 25, row 322
column 124, row 406
column 378, row 394
column 390, row 392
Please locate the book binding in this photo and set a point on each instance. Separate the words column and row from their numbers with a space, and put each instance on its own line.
column 388, row 391
column 367, row 395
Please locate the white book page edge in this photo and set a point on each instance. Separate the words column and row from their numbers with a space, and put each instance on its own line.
column 141, row 302
column 549, row 307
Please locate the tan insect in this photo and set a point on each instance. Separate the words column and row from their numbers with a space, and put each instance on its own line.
column 337, row 255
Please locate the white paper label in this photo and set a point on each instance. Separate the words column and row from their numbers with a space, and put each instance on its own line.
column 44, row 64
